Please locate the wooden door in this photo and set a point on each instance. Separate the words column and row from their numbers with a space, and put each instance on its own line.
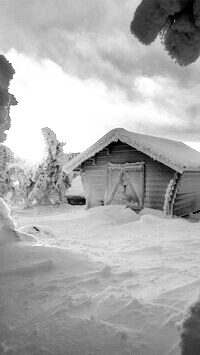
column 125, row 185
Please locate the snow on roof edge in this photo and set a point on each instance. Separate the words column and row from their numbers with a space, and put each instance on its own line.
column 125, row 137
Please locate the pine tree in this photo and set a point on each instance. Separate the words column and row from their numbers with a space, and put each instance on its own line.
column 51, row 183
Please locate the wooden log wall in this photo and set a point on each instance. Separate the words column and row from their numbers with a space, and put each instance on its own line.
column 188, row 194
column 157, row 175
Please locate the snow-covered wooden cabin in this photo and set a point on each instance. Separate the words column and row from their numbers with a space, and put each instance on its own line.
column 140, row 171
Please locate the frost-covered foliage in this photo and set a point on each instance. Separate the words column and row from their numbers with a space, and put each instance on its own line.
column 6, row 157
column 6, row 99
column 190, row 337
column 178, row 23
column 22, row 184
column 51, row 182
column 6, row 221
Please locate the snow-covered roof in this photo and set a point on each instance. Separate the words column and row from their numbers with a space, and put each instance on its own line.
column 173, row 154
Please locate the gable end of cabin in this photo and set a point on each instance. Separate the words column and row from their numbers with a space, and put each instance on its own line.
column 153, row 182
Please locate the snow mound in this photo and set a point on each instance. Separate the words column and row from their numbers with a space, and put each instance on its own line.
column 7, row 225
column 6, row 221
column 152, row 216
column 40, row 266
column 111, row 282
column 112, row 213
column 102, row 215
column 152, row 211
column 8, row 231
column 26, row 237
column 13, row 236
column 41, row 232
column 8, row 237
column 150, row 219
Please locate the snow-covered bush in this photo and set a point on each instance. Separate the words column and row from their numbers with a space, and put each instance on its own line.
column 15, row 178
column 190, row 336
column 178, row 23
column 50, row 182
column 22, row 184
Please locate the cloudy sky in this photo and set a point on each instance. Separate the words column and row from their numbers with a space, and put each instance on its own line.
column 80, row 72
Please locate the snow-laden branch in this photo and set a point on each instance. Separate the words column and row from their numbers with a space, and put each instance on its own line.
column 177, row 22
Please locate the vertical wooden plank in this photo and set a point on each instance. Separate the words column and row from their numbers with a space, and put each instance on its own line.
column 114, row 190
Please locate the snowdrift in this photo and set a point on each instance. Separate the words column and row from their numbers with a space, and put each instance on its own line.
column 8, row 230
column 104, row 281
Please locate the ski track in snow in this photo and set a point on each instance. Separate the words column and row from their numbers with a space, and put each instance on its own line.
column 99, row 282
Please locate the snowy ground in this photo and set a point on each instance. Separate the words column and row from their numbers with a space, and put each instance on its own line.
column 99, row 282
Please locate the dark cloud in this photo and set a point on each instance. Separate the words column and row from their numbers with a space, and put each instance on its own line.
column 183, row 118
column 91, row 38
column 184, row 132
column 87, row 38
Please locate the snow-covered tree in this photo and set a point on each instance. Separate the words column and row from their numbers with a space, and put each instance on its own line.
column 6, row 157
column 51, row 182
column 22, row 183
column 6, row 99
column 177, row 22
